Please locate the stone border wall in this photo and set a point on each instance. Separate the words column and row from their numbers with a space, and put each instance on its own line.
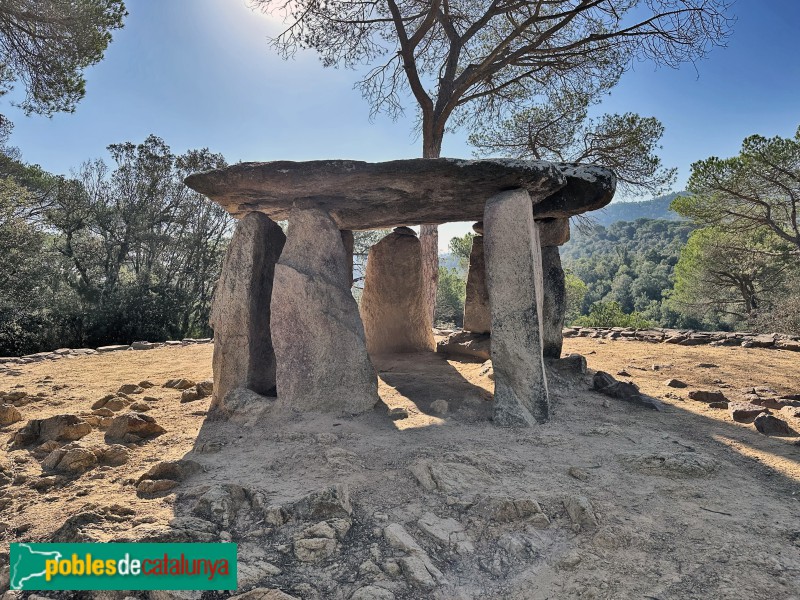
column 75, row 352
column 687, row 337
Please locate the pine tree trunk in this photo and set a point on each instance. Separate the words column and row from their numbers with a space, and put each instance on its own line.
column 429, row 234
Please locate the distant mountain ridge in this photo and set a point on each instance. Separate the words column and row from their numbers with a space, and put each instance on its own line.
column 657, row 208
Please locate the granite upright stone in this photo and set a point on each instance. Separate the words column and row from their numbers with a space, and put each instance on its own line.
column 392, row 305
column 320, row 347
column 514, row 280
column 477, row 314
column 240, row 312
column 554, row 302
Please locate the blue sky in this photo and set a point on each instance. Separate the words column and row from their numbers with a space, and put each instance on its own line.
column 199, row 73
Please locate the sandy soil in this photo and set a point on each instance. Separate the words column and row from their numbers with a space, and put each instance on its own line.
column 683, row 503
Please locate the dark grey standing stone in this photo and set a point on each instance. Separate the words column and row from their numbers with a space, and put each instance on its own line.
column 393, row 302
column 240, row 313
column 477, row 314
column 553, row 232
column 349, row 245
column 514, row 280
column 555, row 302
column 320, row 347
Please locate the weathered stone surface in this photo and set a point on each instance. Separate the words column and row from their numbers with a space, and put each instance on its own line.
column 59, row 428
column 466, row 343
column 240, row 313
column 320, row 346
column 623, row 390
column 706, row 396
column 744, row 412
column 264, row 594
column 9, row 414
column 771, row 425
column 581, row 512
column 349, row 245
column 361, row 195
column 133, row 427
column 553, row 232
column 393, row 302
column 554, row 302
column 477, row 314
column 71, row 459
column 675, row 383
column 514, row 279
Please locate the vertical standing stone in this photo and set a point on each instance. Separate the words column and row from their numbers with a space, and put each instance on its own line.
column 514, row 280
column 555, row 302
column 393, row 305
column 322, row 362
column 349, row 245
column 477, row 315
column 240, row 312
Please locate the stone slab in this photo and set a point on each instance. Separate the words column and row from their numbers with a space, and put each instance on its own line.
column 361, row 195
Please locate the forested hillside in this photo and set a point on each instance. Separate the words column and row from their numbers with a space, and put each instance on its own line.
column 631, row 263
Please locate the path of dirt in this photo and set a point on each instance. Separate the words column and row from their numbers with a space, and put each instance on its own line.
column 677, row 504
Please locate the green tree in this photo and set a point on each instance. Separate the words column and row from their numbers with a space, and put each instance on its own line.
column 47, row 46
column 465, row 62
column 461, row 247
column 730, row 276
column 610, row 314
column 758, row 189
column 576, row 292
column 450, row 297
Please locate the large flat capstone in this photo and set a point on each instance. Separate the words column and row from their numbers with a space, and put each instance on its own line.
column 361, row 195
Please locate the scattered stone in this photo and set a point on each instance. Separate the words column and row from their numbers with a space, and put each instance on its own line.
column 771, row 425
column 466, row 343
column 707, row 366
column 691, row 464
column 130, row 388
column 623, row 373
column 72, row 459
column 189, row 396
column 9, row 415
column 329, row 503
column 448, row 532
column 177, row 470
column 439, row 407
column 60, row 428
column 113, row 455
column 139, row 406
column 575, row 363
column 398, row 413
column 372, row 592
column 150, row 486
column 623, row 390
column 675, row 383
column 722, row 405
column 451, row 478
column 313, row 550
column 103, row 412
column 205, row 388
column 579, row 474
column 707, row 396
column 104, row 349
column 744, row 412
column 133, row 427
column 505, row 509
column 417, row 567
column 581, row 512
column 263, row 594
column 146, row 385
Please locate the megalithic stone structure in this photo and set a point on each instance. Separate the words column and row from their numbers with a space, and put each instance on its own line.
column 349, row 245
column 320, row 347
column 477, row 315
column 392, row 304
column 552, row 234
column 240, row 311
column 514, row 280
column 555, row 302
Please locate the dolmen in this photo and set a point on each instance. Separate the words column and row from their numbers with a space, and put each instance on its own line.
column 286, row 324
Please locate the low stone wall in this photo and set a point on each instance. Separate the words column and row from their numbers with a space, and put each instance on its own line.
column 62, row 353
column 687, row 337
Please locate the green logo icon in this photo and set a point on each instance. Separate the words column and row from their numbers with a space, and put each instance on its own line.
column 91, row 566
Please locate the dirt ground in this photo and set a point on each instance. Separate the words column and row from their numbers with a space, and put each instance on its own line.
column 678, row 504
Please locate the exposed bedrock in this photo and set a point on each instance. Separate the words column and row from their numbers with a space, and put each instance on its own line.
column 477, row 314
column 240, row 312
column 514, row 280
column 392, row 306
column 554, row 302
column 320, row 347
